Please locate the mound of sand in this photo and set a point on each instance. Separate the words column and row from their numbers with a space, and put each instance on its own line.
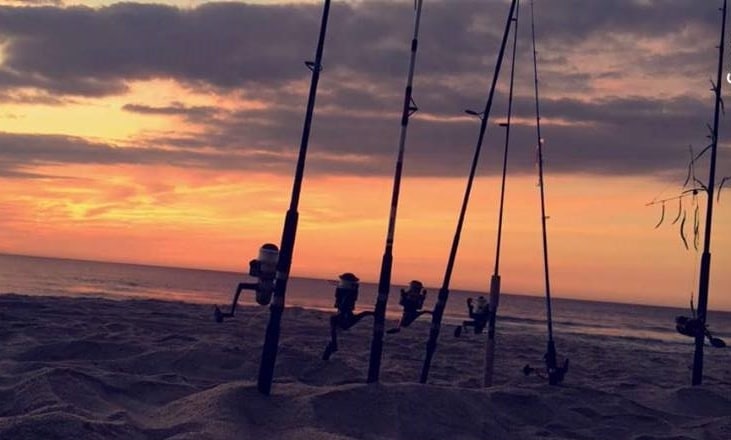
column 99, row 369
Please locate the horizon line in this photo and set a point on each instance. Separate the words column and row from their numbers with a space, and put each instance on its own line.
column 374, row 282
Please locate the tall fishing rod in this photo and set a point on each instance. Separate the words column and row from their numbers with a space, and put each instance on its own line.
column 346, row 293
column 384, row 282
column 289, row 232
column 438, row 313
column 495, row 280
column 555, row 373
column 705, row 269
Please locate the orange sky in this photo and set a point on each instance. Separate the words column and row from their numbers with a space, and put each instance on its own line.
column 601, row 237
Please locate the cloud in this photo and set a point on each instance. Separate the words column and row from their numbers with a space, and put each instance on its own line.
column 92, row 52
column 626, row 136
column 174, row 109
column 23, row 152
column 630, row 135
column 32, row 2
column 85, row 51
column 33, row 97
column 623, row 84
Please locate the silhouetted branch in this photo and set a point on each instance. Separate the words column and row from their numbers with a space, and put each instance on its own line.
column 701, row 154
column 701, row 184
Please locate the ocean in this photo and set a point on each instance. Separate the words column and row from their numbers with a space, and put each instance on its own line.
column 75, row 278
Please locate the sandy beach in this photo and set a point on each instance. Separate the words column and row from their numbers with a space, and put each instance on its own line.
column 99, row 369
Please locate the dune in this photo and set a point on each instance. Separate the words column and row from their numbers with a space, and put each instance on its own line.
column 87, row 368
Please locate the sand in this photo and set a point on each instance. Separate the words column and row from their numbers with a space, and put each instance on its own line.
column 90, row 368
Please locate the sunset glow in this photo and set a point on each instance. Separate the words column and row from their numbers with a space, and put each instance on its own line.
column 178, row 163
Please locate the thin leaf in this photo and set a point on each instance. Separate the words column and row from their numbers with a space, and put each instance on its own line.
column 682, row 232
column 696, row 227
column 699, row 155
column 662, row 216
column 680, row 210
column 720, row 187
column 690, row 174
column 690, row 166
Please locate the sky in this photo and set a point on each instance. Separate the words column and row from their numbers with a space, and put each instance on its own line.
column 167, row 132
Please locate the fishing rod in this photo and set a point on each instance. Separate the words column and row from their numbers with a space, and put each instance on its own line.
column 289, row 232
column 495, row 280
column 438, row 313
column 384, row 282
column 695, row 326
column 705, row 269
column 555, row 373
column 346, row 294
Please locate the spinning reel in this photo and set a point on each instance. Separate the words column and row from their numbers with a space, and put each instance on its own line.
column 346, row 295
column 693, row 327
column 412, row 301
column 264, row 269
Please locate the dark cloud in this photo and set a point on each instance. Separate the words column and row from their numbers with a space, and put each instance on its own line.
column 222, row 44
column 85, row 51
column 631, row 135
column 19, row 174
column 257, row 50
column 596, row 141
column 34, row 2
column 20, row 153
column 73, row 85
column 174, row 109
column 34, row 97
